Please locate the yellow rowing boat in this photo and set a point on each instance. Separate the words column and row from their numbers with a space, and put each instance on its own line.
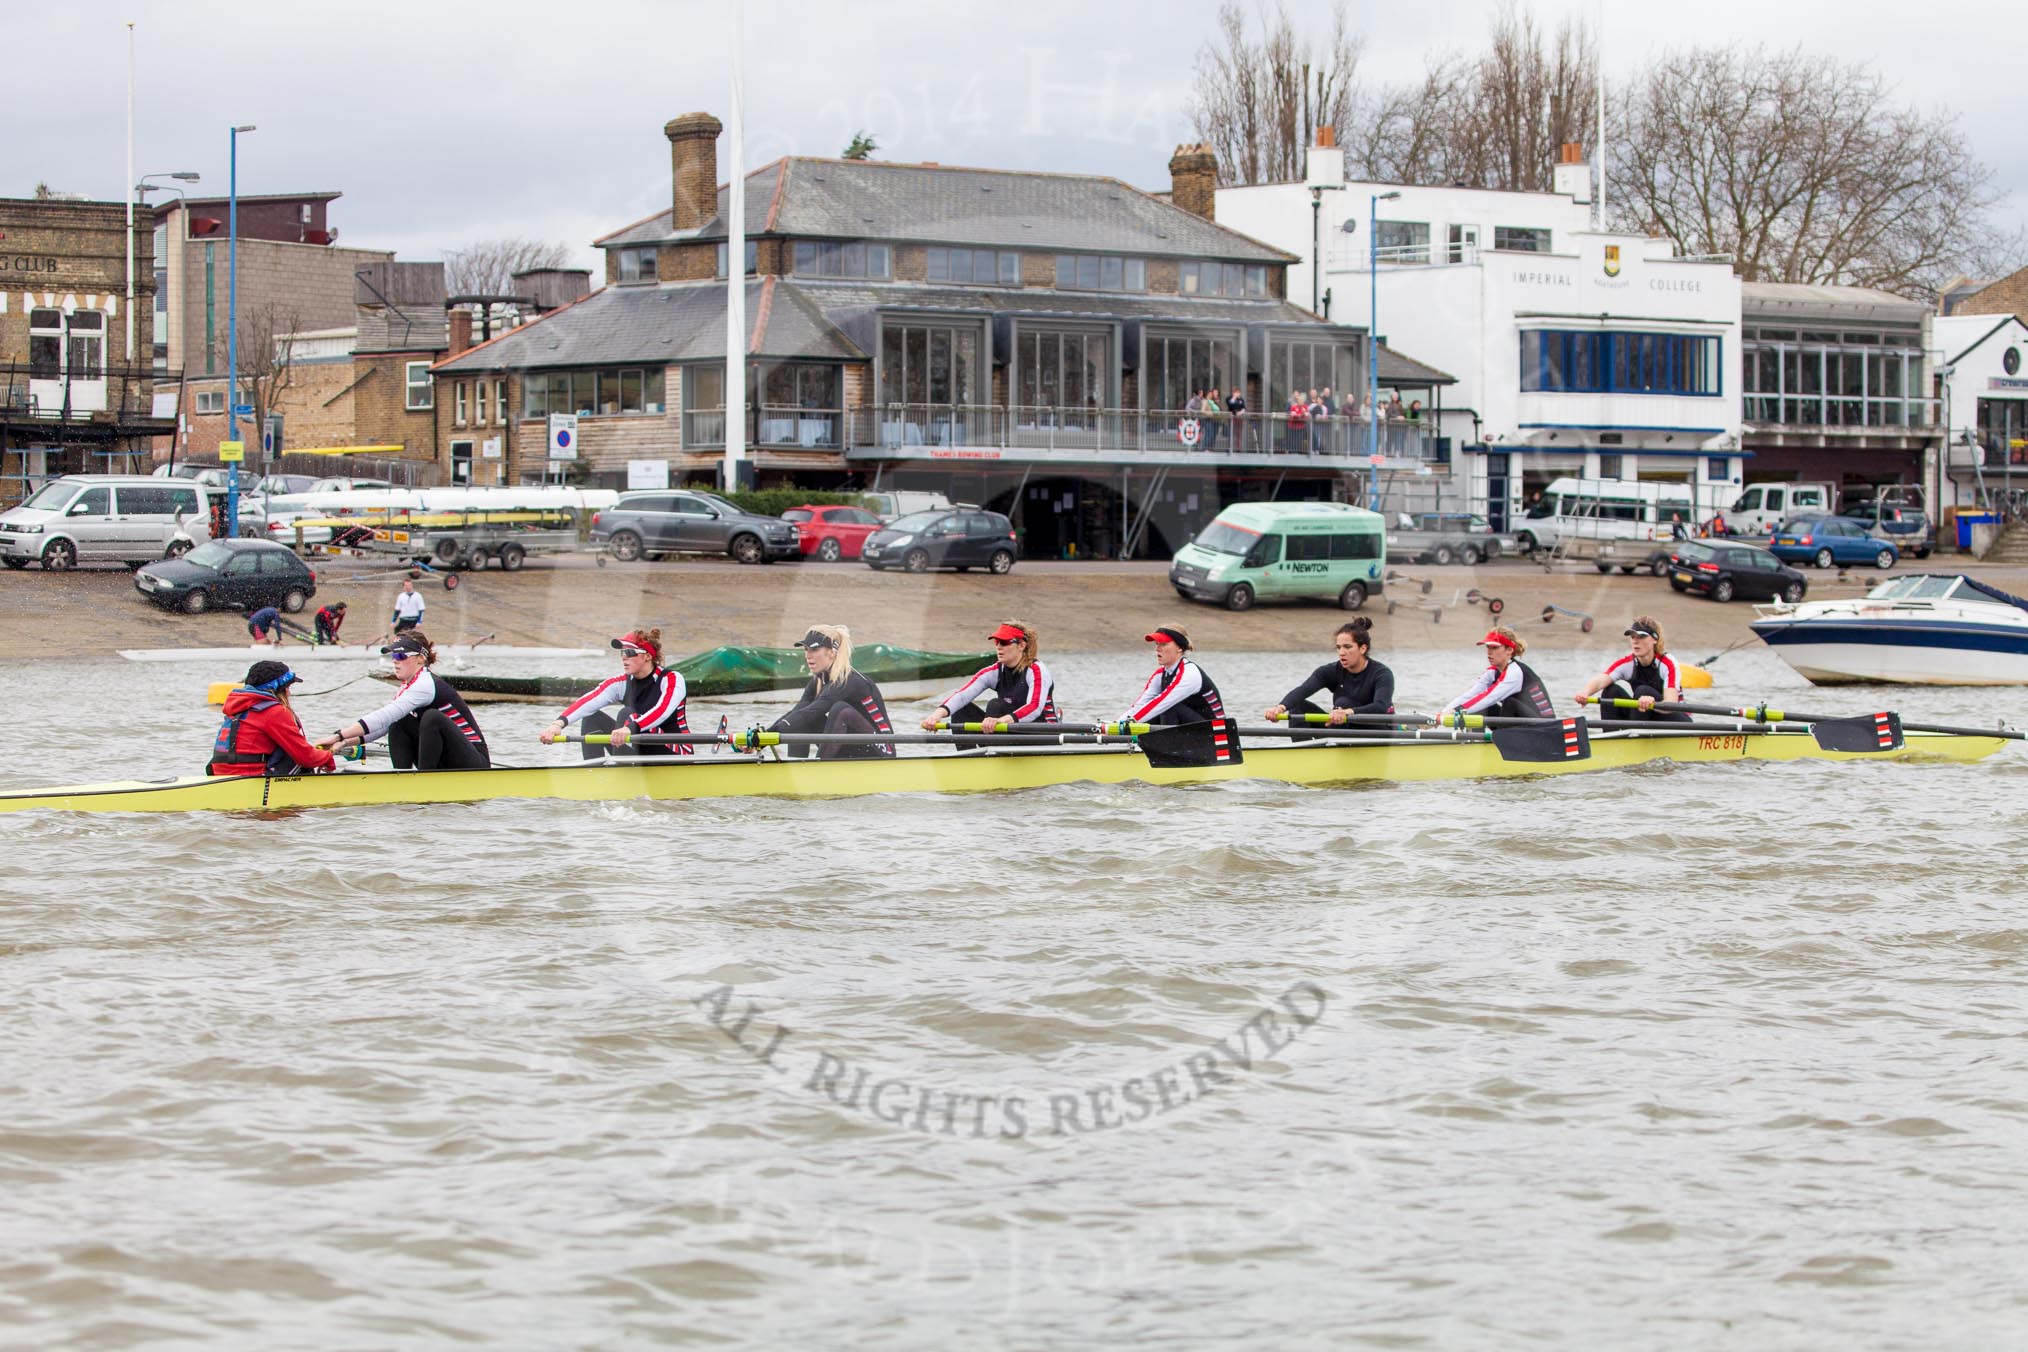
column 709, row 776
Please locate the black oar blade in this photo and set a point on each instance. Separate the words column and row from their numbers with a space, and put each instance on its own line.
column 1192, row 745
column 1566, row 739
column 1867, row 733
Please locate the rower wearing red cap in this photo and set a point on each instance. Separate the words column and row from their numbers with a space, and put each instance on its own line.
column 1179, row 691
column 837, row 699
column 1015, row 689
column 1508, row 688
column 647, row 696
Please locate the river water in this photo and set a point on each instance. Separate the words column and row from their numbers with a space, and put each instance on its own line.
column 1691, row 1056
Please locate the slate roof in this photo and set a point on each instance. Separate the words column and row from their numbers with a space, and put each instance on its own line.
column 986, row 208
column 831, row 321
column 657, row 325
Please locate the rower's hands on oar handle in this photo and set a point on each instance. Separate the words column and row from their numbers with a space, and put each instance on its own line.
column 552, row 731
column 1336, row 718
column 934, row 720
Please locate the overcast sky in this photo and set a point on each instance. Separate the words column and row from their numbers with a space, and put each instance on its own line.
column 445, row 122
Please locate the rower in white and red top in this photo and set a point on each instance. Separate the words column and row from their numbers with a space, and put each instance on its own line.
column 1647, row 675
column 1179, row 691
column 1015, row 689
column 1508, row 688
column 836, row 700
column 647, row 696
column 427, row 724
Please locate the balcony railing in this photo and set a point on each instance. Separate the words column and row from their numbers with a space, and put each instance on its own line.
column 33, row 391
column 1832, row 410
column 1064, row 427
column 773, row 425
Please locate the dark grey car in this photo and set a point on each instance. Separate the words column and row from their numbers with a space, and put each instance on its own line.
column 677, row 521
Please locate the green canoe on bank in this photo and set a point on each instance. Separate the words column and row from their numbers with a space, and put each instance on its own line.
column 746, row 671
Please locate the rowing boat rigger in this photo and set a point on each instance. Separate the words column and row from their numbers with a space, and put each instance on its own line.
column 1358, row 755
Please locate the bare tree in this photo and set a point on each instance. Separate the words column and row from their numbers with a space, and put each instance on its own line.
column 267, row 361
column 1495, row 119
column 1802, row 169
column 487, row 268
column 1259, row 101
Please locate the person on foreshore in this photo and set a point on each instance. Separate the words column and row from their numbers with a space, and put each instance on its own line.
column 1179, row 691
column 1015, row 689
column 838, row 699
column 647, row 697
column 260, row 734
column 427, row 724
column 265, row 625
column 408, row 607
column 1508, row 688
column 1357, row 683
column 1647, row 675
column 329, row 620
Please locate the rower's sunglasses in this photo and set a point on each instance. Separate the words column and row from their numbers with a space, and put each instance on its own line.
column 627, row 651
column 1006, row 642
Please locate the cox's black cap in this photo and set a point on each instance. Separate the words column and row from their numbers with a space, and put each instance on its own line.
column 1642, row 631
column 814, row 639
column 405, row 644
column 1172, row 634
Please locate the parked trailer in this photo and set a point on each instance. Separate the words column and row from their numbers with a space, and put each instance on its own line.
column 466, row 539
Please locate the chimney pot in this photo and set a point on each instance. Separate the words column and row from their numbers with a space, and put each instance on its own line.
column 1193, row 180
column 1327, row 137
column 1573, row 153
column 693, row 168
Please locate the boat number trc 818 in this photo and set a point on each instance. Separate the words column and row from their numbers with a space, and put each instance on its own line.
column 1737, row 742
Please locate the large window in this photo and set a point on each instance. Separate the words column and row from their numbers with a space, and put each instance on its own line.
column 1095, row 272
column 1521, row 238
column 421, row 388
column 72, row 345
column 752, row 257
column 931, row 364
column 1299, row 365
column 1062, row 377
column 980, row 267
column 1401, row 241
column 799, row 405
column 609, row 391
column 1178, row 367
column 703, row 406
column 1563, row 361
column 1208, row 278
column 833, row 258
column 1835, row 379
column 637, row 265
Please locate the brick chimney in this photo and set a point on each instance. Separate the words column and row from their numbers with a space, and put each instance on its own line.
column 693, row 168
column 1572, row 176
column 1193, row 180
column 461, row 331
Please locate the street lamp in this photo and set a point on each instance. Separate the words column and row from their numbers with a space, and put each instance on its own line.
column 1317, row 191
column 1373, row 348
column 141, row 190
column 232, row 333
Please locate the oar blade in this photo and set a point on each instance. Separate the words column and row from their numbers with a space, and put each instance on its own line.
column 1563, row 739
column 1869, row 733
column 1191, row 745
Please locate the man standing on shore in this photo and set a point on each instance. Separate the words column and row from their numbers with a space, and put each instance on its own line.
column 408, row 607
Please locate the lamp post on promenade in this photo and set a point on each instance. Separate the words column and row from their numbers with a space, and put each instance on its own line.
column 1373, row 348
column 232, row 333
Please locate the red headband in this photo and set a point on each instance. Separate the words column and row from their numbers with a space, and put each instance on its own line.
column 641, row 641
column 1493, row 639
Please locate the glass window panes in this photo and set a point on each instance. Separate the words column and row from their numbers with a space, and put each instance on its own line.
column 1562, row 361
column 1090, row 272
column 833, row 258
column 1521, row 239
column 1402, row 241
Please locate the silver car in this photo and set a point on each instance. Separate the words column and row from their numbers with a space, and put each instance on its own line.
column 677, row 522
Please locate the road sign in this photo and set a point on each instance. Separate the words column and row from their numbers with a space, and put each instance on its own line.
column 563, row 436
column 229, row 451
column 242, row 410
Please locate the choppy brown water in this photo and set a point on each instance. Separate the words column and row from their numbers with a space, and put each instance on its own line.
column 1692, row 1056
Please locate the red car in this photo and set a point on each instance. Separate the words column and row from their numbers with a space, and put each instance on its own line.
column 832, row 533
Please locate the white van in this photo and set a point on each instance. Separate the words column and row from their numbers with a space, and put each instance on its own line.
column 888, row 506
column 105, row 518
column 1762, row 507
column 1605, row 509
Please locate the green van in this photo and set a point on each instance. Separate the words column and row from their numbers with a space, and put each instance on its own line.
column 1276, row 551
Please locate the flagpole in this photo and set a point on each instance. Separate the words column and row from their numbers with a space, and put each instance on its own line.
column 1598, row 197
column 735, row 259
column 127, row 358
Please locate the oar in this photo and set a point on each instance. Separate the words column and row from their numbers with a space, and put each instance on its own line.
column 1864, row 734
column 1516, row 739
column 1762, row 713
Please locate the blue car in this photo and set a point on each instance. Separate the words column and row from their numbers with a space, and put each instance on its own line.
column 1828, row 540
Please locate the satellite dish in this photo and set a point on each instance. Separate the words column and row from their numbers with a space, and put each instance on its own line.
column 1351, row 225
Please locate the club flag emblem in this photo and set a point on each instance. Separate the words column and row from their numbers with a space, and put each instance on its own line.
column 1612, row 260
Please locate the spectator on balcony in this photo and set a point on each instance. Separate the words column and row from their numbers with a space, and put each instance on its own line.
column 1415, row 412
column 1334, row 435
column 1211, row 413
column 1235, row 405
column 1320, row 422
column 1298, row 432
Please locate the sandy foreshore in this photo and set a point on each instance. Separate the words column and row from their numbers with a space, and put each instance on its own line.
column 1081, row 607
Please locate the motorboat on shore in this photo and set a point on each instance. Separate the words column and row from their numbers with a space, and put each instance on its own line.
column 1919, row 629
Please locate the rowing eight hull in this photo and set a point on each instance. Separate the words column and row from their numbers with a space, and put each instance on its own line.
column 707, row 776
